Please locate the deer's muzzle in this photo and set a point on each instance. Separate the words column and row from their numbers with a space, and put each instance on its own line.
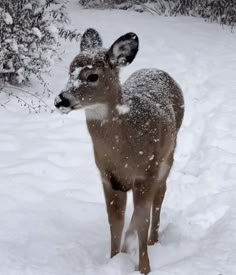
column 61, row 101
column 66, row 102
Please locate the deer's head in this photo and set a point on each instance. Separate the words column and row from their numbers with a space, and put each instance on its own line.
column 94, row 73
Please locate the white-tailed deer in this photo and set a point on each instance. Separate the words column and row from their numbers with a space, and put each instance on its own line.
column 133, row 128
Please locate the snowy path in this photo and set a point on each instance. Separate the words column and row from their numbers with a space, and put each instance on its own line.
column 52, row 213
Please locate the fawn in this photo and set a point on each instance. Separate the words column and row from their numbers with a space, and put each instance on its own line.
column 133, row 128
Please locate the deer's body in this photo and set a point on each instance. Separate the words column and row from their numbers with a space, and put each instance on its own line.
column 133, row 129
column 131, row 140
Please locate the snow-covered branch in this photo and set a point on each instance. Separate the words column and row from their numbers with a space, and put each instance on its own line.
column 29, row 32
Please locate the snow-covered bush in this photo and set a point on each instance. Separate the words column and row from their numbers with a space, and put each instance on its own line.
column 222, row 11
column 29, row 31
column 112, row 4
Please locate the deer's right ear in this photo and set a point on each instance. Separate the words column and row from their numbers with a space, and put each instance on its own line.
column 90, row 40
column 123, row 50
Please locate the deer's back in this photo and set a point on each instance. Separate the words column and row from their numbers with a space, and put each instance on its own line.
column 154, row 96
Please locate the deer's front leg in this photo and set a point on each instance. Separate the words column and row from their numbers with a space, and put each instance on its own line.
column 116, row 203
column 143, row 197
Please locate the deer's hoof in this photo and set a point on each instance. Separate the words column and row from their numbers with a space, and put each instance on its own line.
column 152, row 241
column 154, row 238
column 145, row 270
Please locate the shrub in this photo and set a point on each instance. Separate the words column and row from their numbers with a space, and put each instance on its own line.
column 222, row 11
column 29, row 31
column 111, row 4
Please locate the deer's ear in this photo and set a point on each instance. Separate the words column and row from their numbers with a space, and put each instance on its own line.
column 90, row 40
column 123, row 50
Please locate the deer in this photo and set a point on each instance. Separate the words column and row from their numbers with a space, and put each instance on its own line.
column 133, row 128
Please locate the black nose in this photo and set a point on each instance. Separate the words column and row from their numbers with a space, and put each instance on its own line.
column 62, row 101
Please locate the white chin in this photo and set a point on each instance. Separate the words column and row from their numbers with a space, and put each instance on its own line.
column 76, row 107
column 65, row 110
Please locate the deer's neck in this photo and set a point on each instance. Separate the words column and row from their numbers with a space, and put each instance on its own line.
column 109, row 110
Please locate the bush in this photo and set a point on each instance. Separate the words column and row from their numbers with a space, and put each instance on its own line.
column 111, row 4
column 222, row 11
column 29, row 31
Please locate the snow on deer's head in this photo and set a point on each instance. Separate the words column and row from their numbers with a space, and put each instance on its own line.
column 94, row 73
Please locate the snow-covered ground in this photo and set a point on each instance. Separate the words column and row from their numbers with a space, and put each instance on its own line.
column 52, row 213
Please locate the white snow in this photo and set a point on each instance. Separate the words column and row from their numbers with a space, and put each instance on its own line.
column 37, row 32
column 74, row 81
column 20, row 75
column 8, row 19
column 28, row 6
column 14, row 45
column 53, row 30
column 152, row 157
column 122, row 109
column 52, row 211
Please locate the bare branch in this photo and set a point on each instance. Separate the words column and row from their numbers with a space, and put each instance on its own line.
column 29, row 93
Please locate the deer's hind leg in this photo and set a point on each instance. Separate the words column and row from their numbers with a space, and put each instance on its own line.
column 140, row 222
column 164, row 171
column 156, row 210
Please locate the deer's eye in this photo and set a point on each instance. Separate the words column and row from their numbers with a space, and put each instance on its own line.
column 92, row 78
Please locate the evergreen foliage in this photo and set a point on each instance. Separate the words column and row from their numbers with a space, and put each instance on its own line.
column 29, row 31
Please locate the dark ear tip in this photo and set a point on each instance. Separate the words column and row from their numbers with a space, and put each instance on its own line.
column 131, row 35
column 90, row 31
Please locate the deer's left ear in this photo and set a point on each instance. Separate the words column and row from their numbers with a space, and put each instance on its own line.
column 123, row 50
column 90, row 40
